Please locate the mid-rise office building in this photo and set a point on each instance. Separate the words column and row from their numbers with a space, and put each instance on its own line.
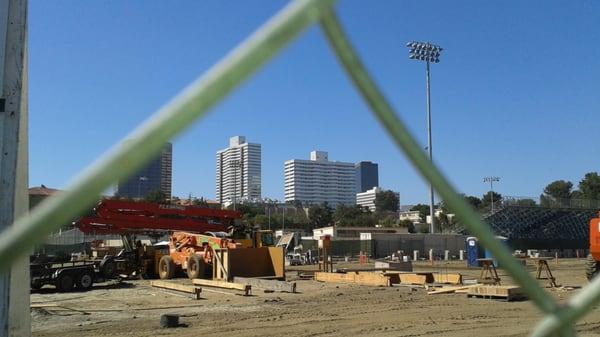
column 319, row 180
column 156, row 176
column 367, row 199
column 367, row 176
column 238, row 172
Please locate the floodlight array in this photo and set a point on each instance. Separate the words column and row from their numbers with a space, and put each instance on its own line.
column 424, row 51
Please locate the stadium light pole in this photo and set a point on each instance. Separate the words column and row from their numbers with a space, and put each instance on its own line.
column 140, row 180
column 430, row 53
column 491, row 180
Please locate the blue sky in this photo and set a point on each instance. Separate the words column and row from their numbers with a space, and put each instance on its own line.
column 515, row 95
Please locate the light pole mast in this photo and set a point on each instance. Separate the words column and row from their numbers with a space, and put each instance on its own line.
column 491, row 180
column 429, row 53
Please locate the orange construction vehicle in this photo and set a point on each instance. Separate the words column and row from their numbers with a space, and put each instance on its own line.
column 197, row 254
column 193, row 253
column 593, row 259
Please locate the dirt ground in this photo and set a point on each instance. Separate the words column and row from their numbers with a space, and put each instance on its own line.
column 320, row 309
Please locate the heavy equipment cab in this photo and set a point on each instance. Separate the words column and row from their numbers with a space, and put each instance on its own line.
column 593, row 259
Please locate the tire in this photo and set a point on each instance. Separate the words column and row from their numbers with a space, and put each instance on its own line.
column 591, row 267
column 196, row 268
column 36, row 285
column 65, row 283
column 85, row 280
column 108, row 268
column 166, row 267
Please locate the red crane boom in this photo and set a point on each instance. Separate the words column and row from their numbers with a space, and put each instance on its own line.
column 126, row 217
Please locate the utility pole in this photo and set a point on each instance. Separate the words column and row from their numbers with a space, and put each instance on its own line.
column 14, row 171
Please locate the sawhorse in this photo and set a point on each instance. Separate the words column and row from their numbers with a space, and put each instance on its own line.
column 542, row 265
column 488, row 275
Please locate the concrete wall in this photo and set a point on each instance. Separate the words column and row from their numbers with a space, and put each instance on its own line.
column 385, row 244
column 382, row 245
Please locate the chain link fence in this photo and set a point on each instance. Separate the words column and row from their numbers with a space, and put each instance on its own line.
column 194, row 102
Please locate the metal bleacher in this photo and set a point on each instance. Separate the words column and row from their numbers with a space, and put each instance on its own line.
column 541, row 227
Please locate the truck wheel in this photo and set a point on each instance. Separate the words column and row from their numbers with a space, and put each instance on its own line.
column 65, row 283
column 166, row 267
column 195, row 267
column 591, row 267
column 108, row 268
column 36, row 285
column 85, row 281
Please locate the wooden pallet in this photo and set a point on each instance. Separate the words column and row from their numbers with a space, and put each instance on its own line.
column 508, row 293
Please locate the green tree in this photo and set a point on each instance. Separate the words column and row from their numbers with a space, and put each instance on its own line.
column 558, row 190
column 423, row 210
column 486, row 200
column 353, row 216
column 387, row 201
column 156, row 196
column 320, row 215
column 526, row 203
column 389, row 220
column 408, row 225
column 474, row 201
column 261, row 220
column 200, row 202
column 590, row 186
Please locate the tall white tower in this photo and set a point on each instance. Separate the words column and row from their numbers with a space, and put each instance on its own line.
column 238, row 172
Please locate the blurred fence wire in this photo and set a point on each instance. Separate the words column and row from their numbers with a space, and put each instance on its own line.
column 147, row 140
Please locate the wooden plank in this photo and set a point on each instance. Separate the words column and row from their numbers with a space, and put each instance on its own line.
column 334, row 277
column 246, row 288
column 366, row 278
column 447, row 290
column 272, row 285
column 195, row 291
column 414, row 278
column 375, row 279
column 447, row 278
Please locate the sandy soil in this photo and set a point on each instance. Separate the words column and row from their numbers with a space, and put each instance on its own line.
column 320, row 309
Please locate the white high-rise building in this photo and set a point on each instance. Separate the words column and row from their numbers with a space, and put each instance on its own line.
column 319, row 180
column 367, row 199
column 238, row 172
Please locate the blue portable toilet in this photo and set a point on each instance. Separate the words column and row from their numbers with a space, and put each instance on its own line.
column 488, row 254
column 472, row 252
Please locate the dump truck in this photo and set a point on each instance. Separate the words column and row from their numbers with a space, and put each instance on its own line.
column 593, row 258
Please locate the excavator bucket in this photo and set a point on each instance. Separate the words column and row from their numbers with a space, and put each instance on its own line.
column 264, row 262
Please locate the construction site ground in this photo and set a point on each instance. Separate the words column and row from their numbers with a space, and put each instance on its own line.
column 133, row 308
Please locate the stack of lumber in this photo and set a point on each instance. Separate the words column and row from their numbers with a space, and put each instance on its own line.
column 389, row 278
column 507, row 293
column 363, row 278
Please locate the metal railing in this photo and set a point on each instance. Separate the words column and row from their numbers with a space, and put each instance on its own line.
column 147, row 140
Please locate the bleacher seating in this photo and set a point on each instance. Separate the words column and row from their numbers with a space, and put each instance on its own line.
column 533, row 224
